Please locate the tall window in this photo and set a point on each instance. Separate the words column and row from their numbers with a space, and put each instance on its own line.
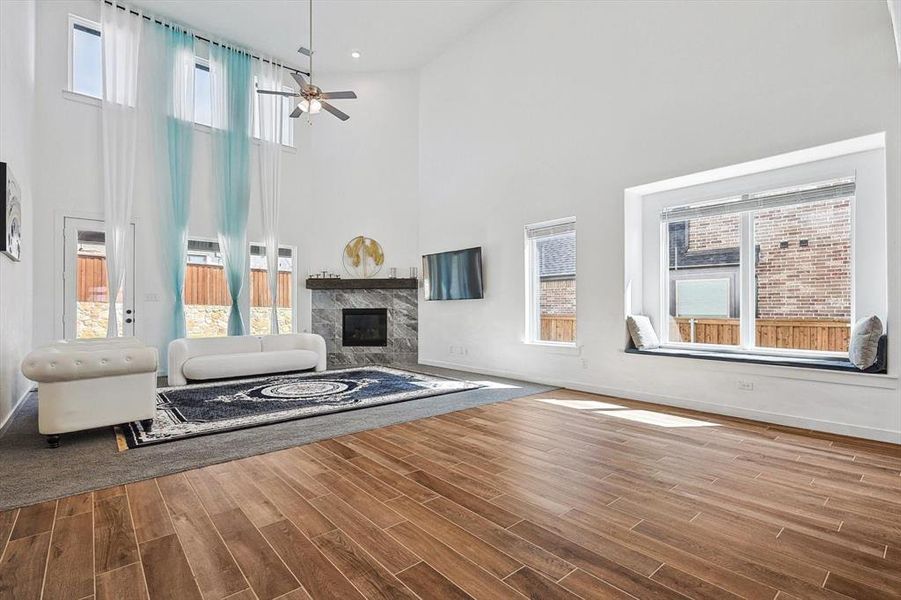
column 768, row 270
column 207, row 301
column 85, row 58
column 203, row 107
column 86, row 77
column 551, row 282
column 260, row 311
column 288, row 105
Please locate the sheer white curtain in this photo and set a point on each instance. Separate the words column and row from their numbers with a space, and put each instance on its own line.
column 271, row 116
column 121, row 42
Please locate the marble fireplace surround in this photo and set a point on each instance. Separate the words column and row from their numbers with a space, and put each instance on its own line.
column 399, row 296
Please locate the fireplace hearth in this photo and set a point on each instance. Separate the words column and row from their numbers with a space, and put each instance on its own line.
column 364, row 327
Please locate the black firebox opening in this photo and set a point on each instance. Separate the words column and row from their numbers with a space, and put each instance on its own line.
column 364, row 327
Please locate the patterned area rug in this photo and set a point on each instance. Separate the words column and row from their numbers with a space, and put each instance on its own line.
column 207, row 408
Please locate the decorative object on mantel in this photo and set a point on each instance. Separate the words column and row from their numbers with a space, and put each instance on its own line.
column 325, row 274
column 363, row 257
column 11, row 215
column 414, row 273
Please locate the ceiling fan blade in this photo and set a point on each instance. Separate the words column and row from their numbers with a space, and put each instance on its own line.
column 278, row 93
column 335, row 111
column 299, row 78
column 296, row 112
column 338, row 95
column 305, row 51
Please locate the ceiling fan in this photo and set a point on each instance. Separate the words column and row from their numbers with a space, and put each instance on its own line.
column 313, row 99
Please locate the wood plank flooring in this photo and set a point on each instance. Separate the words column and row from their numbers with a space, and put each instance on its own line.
column 559, row 495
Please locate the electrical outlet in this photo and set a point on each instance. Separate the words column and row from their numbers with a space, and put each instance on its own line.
column 584, row 363
column 152, row 297
column 746, row 386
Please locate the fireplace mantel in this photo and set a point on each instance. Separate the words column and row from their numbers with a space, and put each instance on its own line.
column 399, row 283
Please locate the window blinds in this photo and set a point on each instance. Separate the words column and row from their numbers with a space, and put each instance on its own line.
column 829, row 190
column 538, row 231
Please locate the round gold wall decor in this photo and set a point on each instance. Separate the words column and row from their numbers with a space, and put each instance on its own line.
column 363, row 257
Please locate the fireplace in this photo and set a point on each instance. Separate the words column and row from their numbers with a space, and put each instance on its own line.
column 364, row 327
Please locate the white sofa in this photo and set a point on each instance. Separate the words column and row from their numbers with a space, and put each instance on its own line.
column 244, row 355
column 84, row 384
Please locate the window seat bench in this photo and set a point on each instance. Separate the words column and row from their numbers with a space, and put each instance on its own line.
column 826, row 363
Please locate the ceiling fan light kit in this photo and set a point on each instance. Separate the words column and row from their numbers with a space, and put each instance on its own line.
column 312, row 98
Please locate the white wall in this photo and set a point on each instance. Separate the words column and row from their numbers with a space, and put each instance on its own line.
column 355, row 178
column 17, row 95
column 552, row 109
column 365, row 172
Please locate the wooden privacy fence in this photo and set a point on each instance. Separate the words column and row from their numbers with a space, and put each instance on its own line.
column 204, row 284
column 558, row 328
column 799, row 334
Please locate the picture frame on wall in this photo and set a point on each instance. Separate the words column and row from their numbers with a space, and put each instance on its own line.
column 10, row 215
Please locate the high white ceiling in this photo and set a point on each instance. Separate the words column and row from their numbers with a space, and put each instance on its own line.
column 390, row 34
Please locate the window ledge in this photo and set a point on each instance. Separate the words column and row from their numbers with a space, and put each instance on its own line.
column 82, row 98
column 562, row 347
column 200, row 127
column 825, row 363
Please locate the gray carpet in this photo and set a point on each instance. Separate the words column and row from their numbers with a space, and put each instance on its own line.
column 31, row 472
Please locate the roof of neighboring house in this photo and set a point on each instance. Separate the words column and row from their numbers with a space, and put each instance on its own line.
column 557, row 256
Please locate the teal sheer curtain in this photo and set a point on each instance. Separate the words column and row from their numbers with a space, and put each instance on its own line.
column 166, row 92
column 179, row 66
column 231, row 92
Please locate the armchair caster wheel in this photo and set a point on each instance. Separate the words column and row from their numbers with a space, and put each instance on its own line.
column 147, row 424
column 53, row 441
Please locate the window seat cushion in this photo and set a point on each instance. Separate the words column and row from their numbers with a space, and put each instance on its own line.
column 827, row 363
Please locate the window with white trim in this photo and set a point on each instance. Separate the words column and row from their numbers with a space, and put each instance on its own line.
column 85, row 57
column 260, row 304
column 766, row 270
column 208, row 301
column 550, row 256
column 770, row 258
column 86, row 77
column 203, row 107
column 288, row 104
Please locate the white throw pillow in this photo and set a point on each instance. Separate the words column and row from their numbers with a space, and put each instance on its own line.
column 862, row 351
column 643, row 335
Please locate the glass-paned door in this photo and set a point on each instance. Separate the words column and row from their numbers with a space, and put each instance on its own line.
column 87, row 298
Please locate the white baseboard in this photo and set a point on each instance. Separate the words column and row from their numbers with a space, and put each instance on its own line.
column 870, row 433
column 15, row 407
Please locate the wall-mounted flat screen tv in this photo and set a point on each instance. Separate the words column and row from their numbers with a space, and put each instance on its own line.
column 455, row 275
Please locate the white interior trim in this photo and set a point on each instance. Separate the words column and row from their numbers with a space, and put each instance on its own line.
column 862, row 158
column 894, row 9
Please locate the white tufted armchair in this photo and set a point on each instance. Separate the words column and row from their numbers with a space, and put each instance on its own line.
column 92, row 383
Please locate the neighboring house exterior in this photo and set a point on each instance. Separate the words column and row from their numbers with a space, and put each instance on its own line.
column 803, row 264
column 557, row 276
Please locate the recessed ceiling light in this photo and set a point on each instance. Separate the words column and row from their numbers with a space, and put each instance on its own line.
column 355, row 54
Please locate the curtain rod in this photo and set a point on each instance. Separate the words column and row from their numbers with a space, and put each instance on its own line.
column 200, row 37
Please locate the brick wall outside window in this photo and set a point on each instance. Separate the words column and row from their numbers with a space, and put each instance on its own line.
column 808, row 282
column 714, row 233
column 794, row 281
column 558, row 297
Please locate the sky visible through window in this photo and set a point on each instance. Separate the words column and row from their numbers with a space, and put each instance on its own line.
column 87, row 77
column 202, row 103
